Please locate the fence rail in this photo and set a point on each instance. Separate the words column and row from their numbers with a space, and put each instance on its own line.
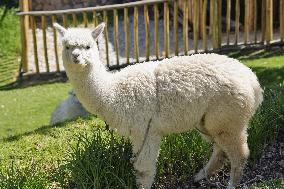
column 153, row 29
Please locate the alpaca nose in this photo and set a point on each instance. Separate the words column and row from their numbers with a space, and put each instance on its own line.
column 75, row 53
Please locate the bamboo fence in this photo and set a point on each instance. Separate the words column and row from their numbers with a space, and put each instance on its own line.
column 199, row 20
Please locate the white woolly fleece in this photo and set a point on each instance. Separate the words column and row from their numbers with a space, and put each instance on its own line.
column 208, row 91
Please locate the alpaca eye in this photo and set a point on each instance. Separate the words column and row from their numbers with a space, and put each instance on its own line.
column 67, row 47
column 88, row 47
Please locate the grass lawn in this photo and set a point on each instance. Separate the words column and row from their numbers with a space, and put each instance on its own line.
column 26, row 109
column 9, row 46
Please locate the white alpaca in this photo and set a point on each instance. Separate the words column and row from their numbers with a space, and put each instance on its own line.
column 68, row 109
column 71, row 108
column 213, row 93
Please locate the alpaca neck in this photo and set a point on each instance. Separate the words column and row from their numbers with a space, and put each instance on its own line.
column 93, row 87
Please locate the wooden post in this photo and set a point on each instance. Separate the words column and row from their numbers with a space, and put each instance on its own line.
column 65, row 20
column 269, row 21
column 196, row 25
column 176, row 26
column 228, row 18
column 185, row 27
column 33, row 23
column 237, row 22
column 247, row 20
column 53, row 20
column 204, row 31
column 136, row 40
column 75, row 20
column 95, row 19
column 282, row 20
column 85, row 19
column 255, row 20
column 166, row 29
column 156, row 20
column 219, row 18
column 147, row 32
column 126, row 20
column 24, row 6
column 263, row 20
column 106, row 35
column 115, row 35
column 43, row 27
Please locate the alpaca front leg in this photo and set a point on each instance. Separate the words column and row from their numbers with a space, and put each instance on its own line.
column 145, row 161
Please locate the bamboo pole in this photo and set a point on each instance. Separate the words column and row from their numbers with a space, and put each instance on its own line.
column 85, row 19
column 64, row 18
column 136, row 44
column 185, row 27
column 24, row 6
column 126, row 20
column 75, row 20
column 204, row 31
column 255, row 20
column 219, row 18
column 247, row 19
column 282, row 20
column 166, row 29
column 211, row 16
column 35, row 43
column 263, row 20
column 53, row 20
column 95, row 19
column 237, row 26
column 215, row 24
column 147, row 33
column 228, row 18
column 106, row 35
column 115, row 35
column 269, row 21
column 196, row 25
column 176, row 26
column 156, row 21
column 43, row 26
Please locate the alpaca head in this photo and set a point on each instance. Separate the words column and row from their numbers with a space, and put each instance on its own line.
column 79, row 47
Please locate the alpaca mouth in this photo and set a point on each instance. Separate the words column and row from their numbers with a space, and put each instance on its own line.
column 76, row 61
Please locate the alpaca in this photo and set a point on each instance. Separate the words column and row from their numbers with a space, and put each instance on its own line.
column 71, row 108
column 212, row 93
column 68, row 109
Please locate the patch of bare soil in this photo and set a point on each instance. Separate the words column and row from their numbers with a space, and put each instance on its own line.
column 269, row 167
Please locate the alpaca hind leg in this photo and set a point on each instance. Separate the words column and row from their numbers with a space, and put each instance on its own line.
column 145, row 162
column 236, row 148
column 215, row 163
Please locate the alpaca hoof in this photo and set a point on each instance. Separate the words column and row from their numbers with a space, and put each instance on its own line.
column 199, row 176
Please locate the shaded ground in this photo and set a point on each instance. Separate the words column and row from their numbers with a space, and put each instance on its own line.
column 269, row 167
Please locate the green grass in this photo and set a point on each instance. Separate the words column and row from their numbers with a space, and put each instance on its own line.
column 26, row 109
column 9, row 46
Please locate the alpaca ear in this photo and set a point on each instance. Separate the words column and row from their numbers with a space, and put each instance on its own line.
column 60, row 29
column 98, row 30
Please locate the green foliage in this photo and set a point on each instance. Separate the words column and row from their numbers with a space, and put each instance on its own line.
column 102, row 161
column 9, row 45
column 182, row 154
column 268, row 123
